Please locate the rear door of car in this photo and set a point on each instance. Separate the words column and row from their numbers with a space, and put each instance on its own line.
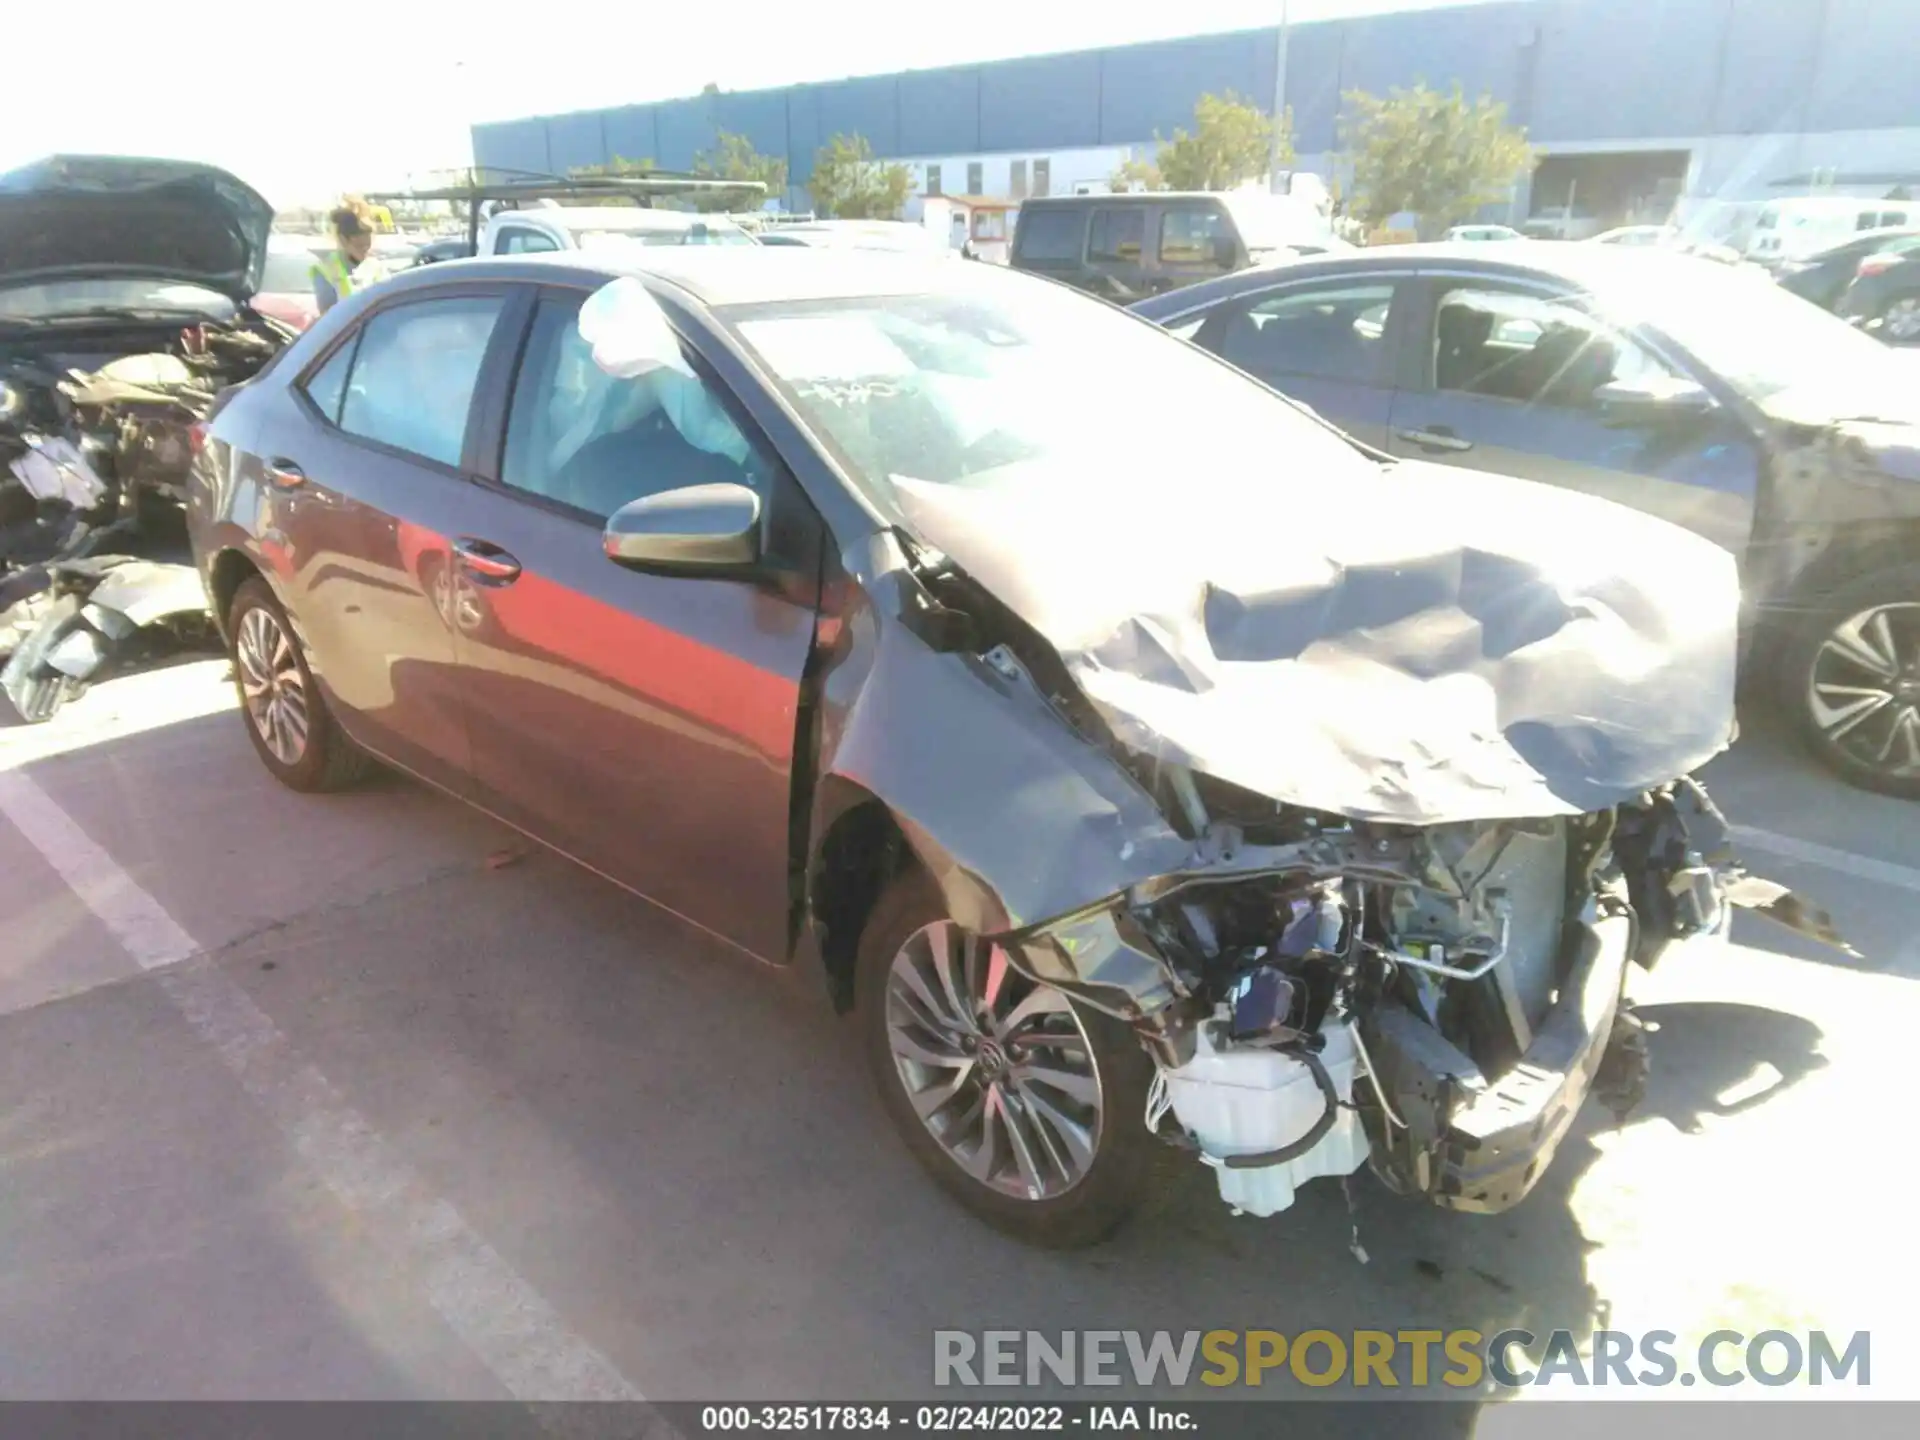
column 1504, row 375
column 1119, row 263
column 368, row 462
column 1192, row 240
column 1329, row 341
column 643, row 723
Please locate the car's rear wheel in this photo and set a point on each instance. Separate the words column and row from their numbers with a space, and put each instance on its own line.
column 292, row 730
column 1854, row 673
column 1899, row 322
column 1026, row 1107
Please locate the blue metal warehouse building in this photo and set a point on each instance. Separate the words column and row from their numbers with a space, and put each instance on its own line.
column 1632, row 103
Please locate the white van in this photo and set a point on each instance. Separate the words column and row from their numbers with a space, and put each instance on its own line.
column 1794, row 229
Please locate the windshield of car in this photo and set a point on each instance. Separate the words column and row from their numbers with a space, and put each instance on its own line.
column 1002, row 380
column 1762, row 340
column 57, row 298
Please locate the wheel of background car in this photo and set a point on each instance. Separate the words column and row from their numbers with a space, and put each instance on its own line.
column 1899, row 322
column 1026, row 1107
column 1854, row 681
column 289, row 723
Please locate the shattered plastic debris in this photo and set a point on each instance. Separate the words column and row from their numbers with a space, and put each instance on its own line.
column 54, row 469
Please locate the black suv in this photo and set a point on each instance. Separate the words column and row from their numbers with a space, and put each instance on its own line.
column 1126, row 247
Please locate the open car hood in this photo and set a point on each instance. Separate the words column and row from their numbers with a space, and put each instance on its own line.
column 72, row 216
column 1413, row 644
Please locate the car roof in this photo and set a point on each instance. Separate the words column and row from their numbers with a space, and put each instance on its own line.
column 615, row 217
column 723, row 275
column 1582, row 266
column 1121, row 196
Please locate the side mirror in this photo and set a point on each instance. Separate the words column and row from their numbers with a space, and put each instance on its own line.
column 1659, row 402
column 694, row 528
column 1226, row 254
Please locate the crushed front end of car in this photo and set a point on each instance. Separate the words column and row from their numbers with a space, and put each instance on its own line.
column 1359, row 833
column 1438, row 1000
column 123, row 315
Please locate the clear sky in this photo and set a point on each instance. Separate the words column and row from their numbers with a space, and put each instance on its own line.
column 306, row 100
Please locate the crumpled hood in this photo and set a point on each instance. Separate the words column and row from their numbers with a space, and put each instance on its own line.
column 78, row 215
column 1412, row 643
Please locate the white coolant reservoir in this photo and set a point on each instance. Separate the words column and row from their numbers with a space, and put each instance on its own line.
column 1250, row 1101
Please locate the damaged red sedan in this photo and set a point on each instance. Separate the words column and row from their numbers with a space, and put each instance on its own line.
column 1150, row 771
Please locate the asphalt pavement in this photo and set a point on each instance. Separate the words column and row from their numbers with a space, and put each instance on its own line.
column 364, row 1097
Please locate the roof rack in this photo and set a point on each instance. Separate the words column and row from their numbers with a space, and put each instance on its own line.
column 508, row 188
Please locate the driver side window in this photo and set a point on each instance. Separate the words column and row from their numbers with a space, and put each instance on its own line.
column 1532, row 350
column 594, row 442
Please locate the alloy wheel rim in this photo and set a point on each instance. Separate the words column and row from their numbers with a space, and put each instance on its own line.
column 999, row 1069
column 274, row 691
column 1865, row 688
column 1903, row 319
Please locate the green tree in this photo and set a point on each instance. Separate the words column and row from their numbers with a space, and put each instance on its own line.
column 1143, row 173
column 1435, row 154
column 734, row 158
column 1232, row 142
column 848, row 183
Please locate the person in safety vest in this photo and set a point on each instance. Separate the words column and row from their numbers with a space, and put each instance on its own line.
column 332, row 272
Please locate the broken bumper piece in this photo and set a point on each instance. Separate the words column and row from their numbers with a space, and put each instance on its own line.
column 1470, row 1144
column 90, row 613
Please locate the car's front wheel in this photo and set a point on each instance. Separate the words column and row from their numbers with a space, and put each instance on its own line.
column 291, row 728
column 1026, row 1107
column 1854, row 678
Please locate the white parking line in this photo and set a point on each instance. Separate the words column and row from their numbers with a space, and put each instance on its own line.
column 1885, row 872
column 499, row 1316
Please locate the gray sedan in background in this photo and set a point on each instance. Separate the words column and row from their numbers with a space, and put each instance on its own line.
column 1690, row 390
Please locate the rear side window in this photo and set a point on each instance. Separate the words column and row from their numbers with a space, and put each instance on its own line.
column 328, row 387
column 1051, row 237
column 1192, row 235
column 1117, row 234
column 413, row 374
column 1329, row 332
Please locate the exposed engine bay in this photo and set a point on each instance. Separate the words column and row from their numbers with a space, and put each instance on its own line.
column 1436, row 1001
column 96, row 441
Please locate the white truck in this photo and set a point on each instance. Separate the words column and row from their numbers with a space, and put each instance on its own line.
column 546, row 225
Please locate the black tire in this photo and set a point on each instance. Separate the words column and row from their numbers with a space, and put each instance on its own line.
column 1883, row 322
column 1130, row 1170
column 329, row 760
column 1853, row 755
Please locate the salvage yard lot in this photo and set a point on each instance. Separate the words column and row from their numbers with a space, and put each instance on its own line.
column 389, row 1073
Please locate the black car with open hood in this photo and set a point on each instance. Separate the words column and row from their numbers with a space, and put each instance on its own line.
column 124, row 285
column 78, row 215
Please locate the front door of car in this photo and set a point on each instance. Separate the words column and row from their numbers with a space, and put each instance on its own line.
column 1327, row 343
column 1510, row 379
column 368, row 490
column 643, row 723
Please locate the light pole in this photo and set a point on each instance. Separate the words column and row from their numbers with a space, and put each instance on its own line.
column 1279, row 99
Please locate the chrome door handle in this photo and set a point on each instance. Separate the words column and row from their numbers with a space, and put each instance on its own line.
column 283, row 474
column 486, row 560
column 1436, row 439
